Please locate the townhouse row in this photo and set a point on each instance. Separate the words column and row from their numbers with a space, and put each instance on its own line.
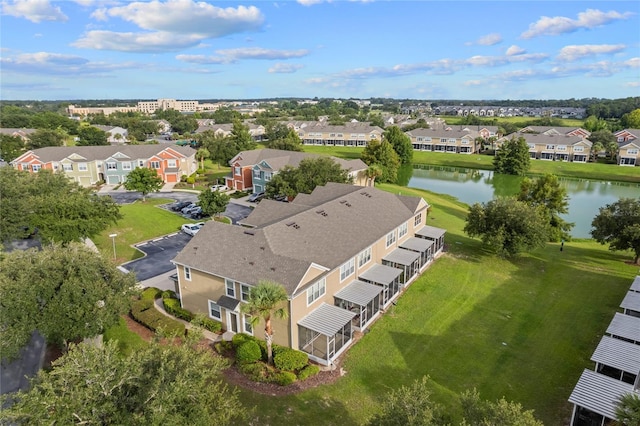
column 343, row 254
column 90, row 165
column 617, row 367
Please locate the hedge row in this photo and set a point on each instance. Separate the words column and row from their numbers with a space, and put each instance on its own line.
column 172, row 306
column 143, row 311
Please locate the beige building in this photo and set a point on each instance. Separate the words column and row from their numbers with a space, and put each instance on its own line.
column 554, row 147
column 342, row 253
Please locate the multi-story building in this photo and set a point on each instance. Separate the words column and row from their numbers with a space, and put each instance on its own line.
column 451, row 141
column 628, row 147
column 351, row 134
column 342, row 253
column 149, row 107
column 553, row 147
column 89, row 165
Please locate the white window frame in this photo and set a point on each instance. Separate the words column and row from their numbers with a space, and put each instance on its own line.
column 237, row 171
column 67, row 167
column 347, row 269
column 578, row 149
column 83, row 167
column 364, row 257
column 246, row 324
column 172, row 163
column 230, row 288
column 112, row 165
column 187, row 273
column 417, row 220
column 141, row 163
column 242, row 292
column 632, row 151
column 391, row 238
column 561, row 148
column 317, row 290
column 36, row 167
column 551, row 147
column 402, row 230
column 155, row 164
column 126, row 165
column 213, row 306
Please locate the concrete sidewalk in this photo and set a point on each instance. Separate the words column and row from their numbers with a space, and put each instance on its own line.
column 214, row 337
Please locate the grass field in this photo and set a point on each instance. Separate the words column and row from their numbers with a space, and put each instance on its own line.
column 596, row 171
column 128, row 341
column 523, row 329
column 140, row 222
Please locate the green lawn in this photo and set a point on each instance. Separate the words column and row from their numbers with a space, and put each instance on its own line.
column 596, row 171
column 140, row 222
column 523, row 329
column 128, row 341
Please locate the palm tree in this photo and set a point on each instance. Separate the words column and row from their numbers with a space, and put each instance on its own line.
column 628, row 409
column 372, row 172
column 263, row 304
column 596, row 148
column 201, row 154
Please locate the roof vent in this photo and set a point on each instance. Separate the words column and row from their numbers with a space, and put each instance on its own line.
column 348, row 204
column 251, row 263
column 343, row 201
column 273, row 269
column 296, row 226
column 322, row 213
column 290, row 223
column 250, row 232
column 262, row 248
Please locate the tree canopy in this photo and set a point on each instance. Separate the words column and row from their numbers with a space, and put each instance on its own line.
column 513, row 157
column 400, row 142
column 170, row 384
column 618, row 224
column 65, row 292
column 11, row 147
column 628, row 409
column 213, row 202
column 46, row 137
column 310, row 173
column 60, row 209
column 290, row 142
column 507, row 226
column 90, row 135
column 382, row 155
column 547, row 193
column 143, row 180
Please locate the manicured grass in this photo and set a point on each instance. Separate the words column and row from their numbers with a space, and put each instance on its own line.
column 564, row 122
column 128, row 341
column 596, row 171
column 140, row 222
column 523, row 329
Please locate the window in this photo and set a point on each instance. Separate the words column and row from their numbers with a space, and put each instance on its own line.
column 214, row 310
column 112, row 166
column 402, row 230
column 36, row 167
column 67, row 167
column 126, row 166
column 417, row 220
column 578, row 149
column 562, row 148
column 82, row 167
column 267, row 177
column 141, row 163
column 632, row 152
column 551, row 146
column 246, row 322
column 391, row 238
column 315, row 291
column 256, row 174
column 531, row 145
column 24, row 166
column 364, row 257
column 231, row 288
column 347, row 269
column 244, row 292
column 155, row 165
column 237, row 171
column 187, row 273
column 172, row 163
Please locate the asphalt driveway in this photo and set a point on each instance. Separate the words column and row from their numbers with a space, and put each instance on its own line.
column 158, row 256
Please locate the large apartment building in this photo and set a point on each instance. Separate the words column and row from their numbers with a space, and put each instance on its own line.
column 343, row 254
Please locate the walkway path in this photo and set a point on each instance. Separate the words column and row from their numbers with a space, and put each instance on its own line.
column 214, row 337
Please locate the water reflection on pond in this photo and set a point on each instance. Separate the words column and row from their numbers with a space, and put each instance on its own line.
column 474, row 185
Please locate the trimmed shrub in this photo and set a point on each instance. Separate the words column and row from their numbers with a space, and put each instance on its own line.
column 223, row 347
column 248, row 353
column 283, row 378
column 308, row 371
column 172, row 306
column 169, row 294
column 201, row 320
column 150, row 293
column 240, row 338
column 290, row 359
column 144, row 312
column 256, row 371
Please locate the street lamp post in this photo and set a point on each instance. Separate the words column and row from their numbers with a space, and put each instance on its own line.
column 113, row 239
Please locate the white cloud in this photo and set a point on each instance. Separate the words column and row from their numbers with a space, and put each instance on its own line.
column 632, row 63
column 100, row 14
column 136, row 42
column 575, row 52
column 233, row 55
column 471, row 83
column 514, row 50
column 47, row 63
column 34, row 10
column 283, row 68
column 633, row 84
column 557, row 25
column 489, row 39
column 310, row 2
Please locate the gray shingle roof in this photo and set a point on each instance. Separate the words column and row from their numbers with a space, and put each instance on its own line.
column 336, row 222
column 92, row 153
column 549, row 139
column 277, row 158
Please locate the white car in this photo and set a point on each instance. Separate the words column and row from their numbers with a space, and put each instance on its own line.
column 223, row 188
column 192, row 228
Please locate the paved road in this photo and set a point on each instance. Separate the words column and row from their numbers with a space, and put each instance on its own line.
column 158, row 256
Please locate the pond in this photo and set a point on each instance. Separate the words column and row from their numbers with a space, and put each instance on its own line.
column 479, row 186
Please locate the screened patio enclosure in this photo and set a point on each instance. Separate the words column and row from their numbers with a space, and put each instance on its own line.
column 434, row 234
column 386, row 277
column 422, row 246
column 406, row 260
column 325, row 333
column 361, row 298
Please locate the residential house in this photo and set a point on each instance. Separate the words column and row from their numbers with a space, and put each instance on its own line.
column 89, row 165
column 556, row 131
column 224, row 130
column 553, row 147
column 252, row 170
column 20, row 133
column 628, row 147
column 451, row 141
column 617, row 369
column 115, row 134
column 350, row 134
column 342, row 253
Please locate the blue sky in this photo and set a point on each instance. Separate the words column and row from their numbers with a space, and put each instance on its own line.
column 190, row 49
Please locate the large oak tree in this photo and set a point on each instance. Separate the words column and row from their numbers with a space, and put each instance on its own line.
column 618, row 224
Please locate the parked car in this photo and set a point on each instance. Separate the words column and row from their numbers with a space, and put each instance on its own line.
column 256, row 197
column 198, row 214
column 282, row 198
column 194, row 212
column 187, row 210
column 178, row 206
column 223, row 188
column 191, row 228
